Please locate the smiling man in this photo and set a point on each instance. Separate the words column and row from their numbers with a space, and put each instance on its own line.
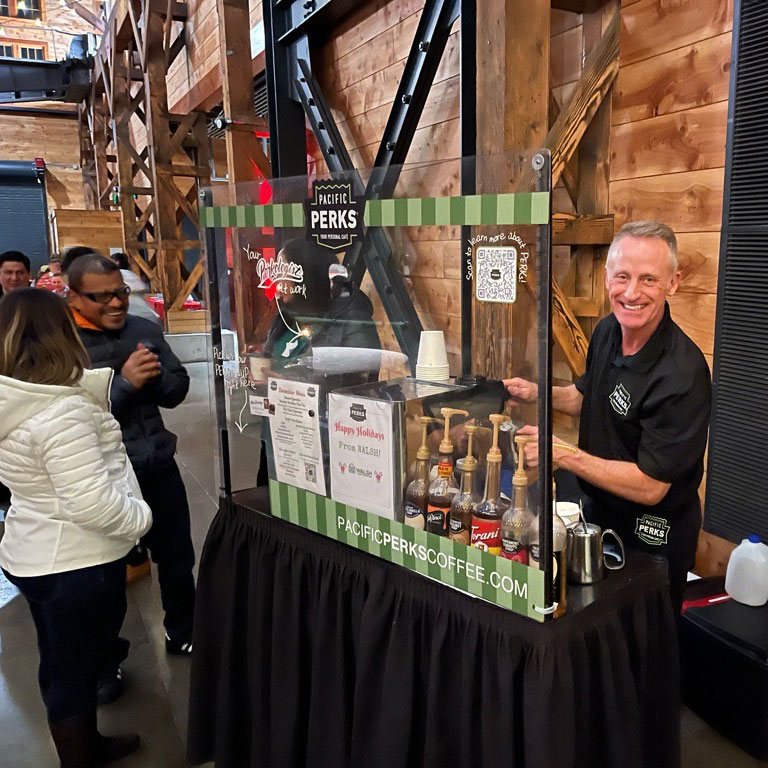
column 644, row 403
column 148, row 376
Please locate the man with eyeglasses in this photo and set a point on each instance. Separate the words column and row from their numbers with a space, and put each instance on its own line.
column 148, row 376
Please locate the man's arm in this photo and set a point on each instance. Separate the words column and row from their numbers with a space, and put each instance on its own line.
column 622, row 478
column 564, row 399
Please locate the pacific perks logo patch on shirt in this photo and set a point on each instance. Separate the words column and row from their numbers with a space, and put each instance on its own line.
column 620, row 400
column 652, row 530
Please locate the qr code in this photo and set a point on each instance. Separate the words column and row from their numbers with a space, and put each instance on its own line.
column 496, row 277
column 310, row 472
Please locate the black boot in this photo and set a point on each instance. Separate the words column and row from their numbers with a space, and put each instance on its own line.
column 116, row 747
column 75, row 739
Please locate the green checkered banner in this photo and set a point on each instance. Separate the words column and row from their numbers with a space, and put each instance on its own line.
column 481, row 574
column 514, row 209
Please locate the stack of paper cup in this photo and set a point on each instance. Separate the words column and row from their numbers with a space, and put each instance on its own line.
column 432, row 363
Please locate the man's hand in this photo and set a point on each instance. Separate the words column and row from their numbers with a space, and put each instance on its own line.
column 522, row 390
column 141, row 366
column 531, row 447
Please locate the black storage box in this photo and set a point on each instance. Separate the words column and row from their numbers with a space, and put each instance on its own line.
column 724, row 660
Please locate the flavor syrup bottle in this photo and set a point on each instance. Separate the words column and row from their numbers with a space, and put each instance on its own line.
column 417, row 492
column 517, row 520
column 486, row 516
column 460, row 520
column 442, row 490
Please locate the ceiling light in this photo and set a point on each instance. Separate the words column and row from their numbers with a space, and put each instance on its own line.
column 21, row 5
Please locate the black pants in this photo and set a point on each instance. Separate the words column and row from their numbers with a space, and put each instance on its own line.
column 675, row 538
column 77, row 615
column 170, row 546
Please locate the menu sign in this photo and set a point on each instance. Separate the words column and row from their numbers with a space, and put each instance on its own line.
column 360, row 438
column 295, row 429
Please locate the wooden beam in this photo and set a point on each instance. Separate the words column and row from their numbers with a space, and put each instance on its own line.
column 189, row 284
column 568, row 229
column 512, row 87
column 568, row 332
column 175, row 48
column 593, row 186
column 570, row 171
column 179, row 11
column 159, row 137
column 583, row 306
column 244, row 156
column 600, row 70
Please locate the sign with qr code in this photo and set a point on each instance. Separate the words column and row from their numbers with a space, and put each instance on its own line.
column 295, row 430
column 496, row 274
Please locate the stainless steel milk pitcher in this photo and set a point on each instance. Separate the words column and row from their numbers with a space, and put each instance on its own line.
column 585, row 559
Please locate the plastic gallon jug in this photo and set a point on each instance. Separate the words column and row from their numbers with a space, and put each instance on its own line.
column 746, row 579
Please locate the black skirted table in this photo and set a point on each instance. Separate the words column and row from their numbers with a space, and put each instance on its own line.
column 311, row 653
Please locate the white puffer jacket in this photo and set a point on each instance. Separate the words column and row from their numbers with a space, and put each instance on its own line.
column 75, row 501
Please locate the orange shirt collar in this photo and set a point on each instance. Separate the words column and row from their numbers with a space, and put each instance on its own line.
column 82, row 322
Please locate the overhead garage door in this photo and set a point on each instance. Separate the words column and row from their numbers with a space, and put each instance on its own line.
column 23, row 211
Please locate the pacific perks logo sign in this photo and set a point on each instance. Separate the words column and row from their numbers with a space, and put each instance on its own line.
column 334, row 214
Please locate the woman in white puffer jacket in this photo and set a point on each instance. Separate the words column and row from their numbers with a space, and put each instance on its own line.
column 76, row 510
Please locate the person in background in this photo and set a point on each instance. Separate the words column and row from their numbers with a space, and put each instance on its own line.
column 148, row 376
column 137, row 302
column 76, row 510
column 73, row 253
column 14, row 271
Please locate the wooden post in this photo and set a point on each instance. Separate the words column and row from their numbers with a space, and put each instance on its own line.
column 512, row 99
column 159, row 139
column 594, row 174
column 245, row 157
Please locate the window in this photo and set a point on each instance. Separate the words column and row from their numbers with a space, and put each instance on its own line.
column 5, row 7
column 32, row 52
column 23, row 49
column 28, row 9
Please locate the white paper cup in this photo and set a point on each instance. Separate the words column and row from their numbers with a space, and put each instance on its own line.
column 259, row 367
column 568, row 511
column 432, row 349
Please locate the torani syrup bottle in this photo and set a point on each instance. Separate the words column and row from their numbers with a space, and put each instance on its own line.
column 486, row 516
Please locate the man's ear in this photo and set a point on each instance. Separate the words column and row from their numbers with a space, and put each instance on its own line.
column 75, row 301
column 674, row 283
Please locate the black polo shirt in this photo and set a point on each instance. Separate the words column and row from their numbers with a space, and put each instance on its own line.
column 652, row 409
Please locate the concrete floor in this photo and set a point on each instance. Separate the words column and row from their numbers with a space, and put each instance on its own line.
column 155, row 701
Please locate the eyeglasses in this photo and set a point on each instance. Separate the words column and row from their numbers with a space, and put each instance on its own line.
column 104, row 297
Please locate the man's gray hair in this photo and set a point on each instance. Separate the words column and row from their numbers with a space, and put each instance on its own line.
column 652, row 229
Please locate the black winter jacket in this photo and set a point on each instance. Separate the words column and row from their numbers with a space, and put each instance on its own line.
column 150, row 446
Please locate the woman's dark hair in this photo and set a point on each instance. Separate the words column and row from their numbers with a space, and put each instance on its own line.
column 121, row 259
column 39, row 342
column 315, row 261
column 76, row 252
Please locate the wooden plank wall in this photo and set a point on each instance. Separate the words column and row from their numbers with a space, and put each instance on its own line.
column 194, row 78
column 101, row 230
column 55, row 139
